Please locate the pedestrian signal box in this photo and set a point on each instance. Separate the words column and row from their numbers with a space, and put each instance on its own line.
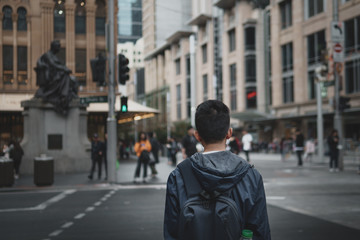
column 124, row 105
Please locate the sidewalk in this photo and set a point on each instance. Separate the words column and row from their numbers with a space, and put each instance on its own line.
column 126, row 169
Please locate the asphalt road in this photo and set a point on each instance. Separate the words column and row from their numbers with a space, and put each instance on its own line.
column 121, row 213
column 303, row 203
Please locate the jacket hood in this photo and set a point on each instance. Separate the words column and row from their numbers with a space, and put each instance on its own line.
column 218, row 171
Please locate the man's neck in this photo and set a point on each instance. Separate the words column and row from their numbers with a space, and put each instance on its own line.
column 214, row 147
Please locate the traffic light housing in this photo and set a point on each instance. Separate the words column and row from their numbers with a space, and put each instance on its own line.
column 123, row 69
column 123, row 105
column 344, row 103
column 98, row 66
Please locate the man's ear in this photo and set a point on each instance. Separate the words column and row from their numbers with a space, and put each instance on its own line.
column 197, row 136
column 229, row 133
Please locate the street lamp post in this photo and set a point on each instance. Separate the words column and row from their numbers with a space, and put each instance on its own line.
column 111, row 120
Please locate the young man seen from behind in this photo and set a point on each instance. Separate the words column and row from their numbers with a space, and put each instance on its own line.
column 219, row 173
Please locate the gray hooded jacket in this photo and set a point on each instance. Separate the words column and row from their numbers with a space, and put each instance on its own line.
column 221, row 171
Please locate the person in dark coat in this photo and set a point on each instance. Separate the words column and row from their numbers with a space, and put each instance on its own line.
column 105, row 156
column 189, row 143
column 16, row 154
column 299, row 146
column 218, row 170
column 333, row 142
column 97, row 151
column 155, row 146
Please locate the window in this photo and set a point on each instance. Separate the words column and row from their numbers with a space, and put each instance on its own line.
column 204, row 53
column 288, row 89
column 250, row 68
column 59, row 17
column 250, row 42
column 100, row 18
column 80, row 66
column 8, row 67
column 177, row 66
column 352, row 48
column 7, row 18
column 233, row 105
column 21, row 22
column 205, row 87
column 352, row 76
column 316, row 45
column 311, row 84
column 287, row 73
column 232, row 43
column 188, row 86
column 287, row 57
column 178, row 101
column 22, row 65
column 352, row 35
column 250, row 97
column 80, row 17
column 313, row 7
column 286, row 14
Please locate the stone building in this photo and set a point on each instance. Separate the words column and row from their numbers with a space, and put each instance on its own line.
column 26, row 31
column 259, row 58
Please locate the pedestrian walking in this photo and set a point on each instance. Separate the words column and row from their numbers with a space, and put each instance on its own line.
column 234, row 145
column 309, row 150
column 299, row 146
column 173, row 149
column 142, row 149
column 155, row 146
column 216, row 179
column 333, row 142
column 105, row 156
column 97, row 151
column 246, row 141
column 189, row 143
column 16, row 153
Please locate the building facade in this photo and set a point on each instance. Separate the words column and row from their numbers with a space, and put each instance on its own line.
column 258, row 57
column 129, row 19
column 27, row 29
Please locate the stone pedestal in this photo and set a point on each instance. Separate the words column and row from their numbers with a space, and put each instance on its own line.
column 62, row 137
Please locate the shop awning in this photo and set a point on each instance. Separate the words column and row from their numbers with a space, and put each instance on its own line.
column 136, row 111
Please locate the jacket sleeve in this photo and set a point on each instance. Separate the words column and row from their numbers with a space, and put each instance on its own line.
column 172, row 209
column 148, row 146
column 257, row 219
column 137, row 147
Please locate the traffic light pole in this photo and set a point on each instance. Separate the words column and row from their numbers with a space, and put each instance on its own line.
column 111, row 120
column 338, row 117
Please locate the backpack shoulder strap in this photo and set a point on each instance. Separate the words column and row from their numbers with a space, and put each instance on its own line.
column 192, row 185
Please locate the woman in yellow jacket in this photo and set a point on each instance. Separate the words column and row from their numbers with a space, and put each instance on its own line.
column 142, row 149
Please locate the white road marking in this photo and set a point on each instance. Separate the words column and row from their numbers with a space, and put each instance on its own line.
column 275, row 198
column 147, row 186
column 89, row 209
column 97, row 204
column 55, row 233
column 80, row 215
column 67, row 225
column 43, row 205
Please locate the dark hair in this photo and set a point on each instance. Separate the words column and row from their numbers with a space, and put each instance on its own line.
column 212, row 120
column 190, row 127
column 334, row 131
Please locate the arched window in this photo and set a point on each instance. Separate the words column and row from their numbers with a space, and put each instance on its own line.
column 7, row 19
column 100, row 17
column 21, row 23
column 59, row 16
column 80, row 17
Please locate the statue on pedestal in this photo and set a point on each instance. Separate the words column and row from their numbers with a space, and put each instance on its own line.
column 56, row 86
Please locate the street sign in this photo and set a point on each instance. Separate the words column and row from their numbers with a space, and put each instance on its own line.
column 94, row 99
column 329, row 83
column 338, row 52
column 337, row 32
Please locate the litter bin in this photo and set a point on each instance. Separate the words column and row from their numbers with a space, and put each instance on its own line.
column 6, row 172
column 43, row 170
